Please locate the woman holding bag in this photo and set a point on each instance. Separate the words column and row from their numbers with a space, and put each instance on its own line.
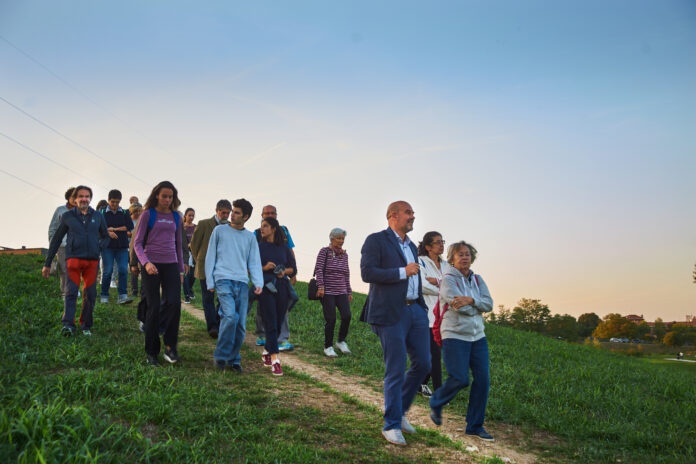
column 333, row 282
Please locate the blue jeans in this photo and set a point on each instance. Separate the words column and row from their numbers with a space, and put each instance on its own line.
column 189, row 279
column 460, row 356
column 234, row 300
column 408, row 336
column 120, row 255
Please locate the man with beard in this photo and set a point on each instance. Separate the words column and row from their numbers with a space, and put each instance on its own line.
column 87, row 236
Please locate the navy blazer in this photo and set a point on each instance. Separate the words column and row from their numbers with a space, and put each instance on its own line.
column 379, row 266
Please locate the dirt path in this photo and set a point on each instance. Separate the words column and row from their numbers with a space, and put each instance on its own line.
column 418, row 415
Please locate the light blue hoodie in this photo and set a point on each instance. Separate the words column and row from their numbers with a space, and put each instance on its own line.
column 234, row 255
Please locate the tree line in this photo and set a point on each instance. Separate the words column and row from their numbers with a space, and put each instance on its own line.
column 534, row 316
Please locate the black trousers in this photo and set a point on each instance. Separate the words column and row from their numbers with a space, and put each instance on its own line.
column 169, row 281
column 273, row 307
column 436, row 364
column 330, row 303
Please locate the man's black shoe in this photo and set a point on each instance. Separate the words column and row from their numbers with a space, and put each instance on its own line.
column 152, row 361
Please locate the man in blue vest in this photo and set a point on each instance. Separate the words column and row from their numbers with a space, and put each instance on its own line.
column 119, row 226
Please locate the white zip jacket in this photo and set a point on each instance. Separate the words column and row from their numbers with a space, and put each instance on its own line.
column 430, row 291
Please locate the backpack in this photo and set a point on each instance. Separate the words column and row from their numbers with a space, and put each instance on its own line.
column 439, row 315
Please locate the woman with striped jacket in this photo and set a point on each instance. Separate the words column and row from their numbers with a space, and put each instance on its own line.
column 333, row 280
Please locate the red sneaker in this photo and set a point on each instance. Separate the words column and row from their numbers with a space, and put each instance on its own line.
column 266, row 359
column 276, row 369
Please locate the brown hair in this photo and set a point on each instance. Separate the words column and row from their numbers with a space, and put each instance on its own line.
column 152, row 199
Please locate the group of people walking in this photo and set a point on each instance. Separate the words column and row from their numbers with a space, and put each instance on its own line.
column 408, row 285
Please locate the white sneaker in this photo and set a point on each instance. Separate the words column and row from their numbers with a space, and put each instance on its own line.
column 104, row 299
column 343, row 347
column 113, row 284
column 330, row 352
column 394, row 436
column 406, row 426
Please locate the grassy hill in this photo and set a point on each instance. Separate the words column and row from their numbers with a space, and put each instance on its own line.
column 93, row 400
column 597, row 406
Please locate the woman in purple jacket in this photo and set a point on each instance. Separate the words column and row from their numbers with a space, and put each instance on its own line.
column 159, row 250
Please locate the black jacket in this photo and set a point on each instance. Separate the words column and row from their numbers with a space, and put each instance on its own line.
column 87, row 235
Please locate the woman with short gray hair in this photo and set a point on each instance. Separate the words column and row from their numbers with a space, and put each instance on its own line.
column 333, row 281
column 464, row 345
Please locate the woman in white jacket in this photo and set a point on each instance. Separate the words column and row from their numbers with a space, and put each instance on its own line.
column 464, row 344
column 432, row 266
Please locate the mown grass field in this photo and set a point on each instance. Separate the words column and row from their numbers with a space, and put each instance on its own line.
column 92, row 399
column 602, row 406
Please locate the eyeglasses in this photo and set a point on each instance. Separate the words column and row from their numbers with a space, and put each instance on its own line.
column 438, row 242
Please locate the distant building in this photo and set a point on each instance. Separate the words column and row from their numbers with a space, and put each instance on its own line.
column 22, row 251
column 635, row 319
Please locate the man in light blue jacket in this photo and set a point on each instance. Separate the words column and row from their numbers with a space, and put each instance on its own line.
column 233, row 255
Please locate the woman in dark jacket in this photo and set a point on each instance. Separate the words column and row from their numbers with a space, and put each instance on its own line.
column 278, row 263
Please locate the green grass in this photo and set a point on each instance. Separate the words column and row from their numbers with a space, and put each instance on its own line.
column 92, row 399
column 601, row 406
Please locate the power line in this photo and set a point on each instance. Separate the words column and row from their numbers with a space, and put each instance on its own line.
column 29, row 183
column 73, row 141
column 82, row 94
column 49, row 159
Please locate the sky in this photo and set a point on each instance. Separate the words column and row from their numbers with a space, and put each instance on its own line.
column 557, row 137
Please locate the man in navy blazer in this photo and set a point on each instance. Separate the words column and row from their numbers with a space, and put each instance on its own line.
column 396, row 311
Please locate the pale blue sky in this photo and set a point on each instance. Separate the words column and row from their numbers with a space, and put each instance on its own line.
column 558, row 137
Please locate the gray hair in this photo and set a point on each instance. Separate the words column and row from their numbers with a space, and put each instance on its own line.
column 337, row 232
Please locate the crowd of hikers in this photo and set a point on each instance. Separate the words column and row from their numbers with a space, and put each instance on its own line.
column 421, row 306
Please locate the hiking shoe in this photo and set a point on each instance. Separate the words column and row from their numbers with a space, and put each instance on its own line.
column 436, row 416
column 124, row 299
column 266, row 357
column 286, row 346
column 67, row 331
column 425, row 391
column 330, row 352
column 343, row 347
column 219, row 364
column 187, row 300
column 394, row 436
column 213, row 333
column 406, row 426
column 260, row 341
column 152, row 361
column 87, row 332
column 237, row 368
column 104, row 299
column 482, row 434
column 171, row 356
column 276, row 369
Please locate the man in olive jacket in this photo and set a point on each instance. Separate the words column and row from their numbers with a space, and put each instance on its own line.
column 199, row 248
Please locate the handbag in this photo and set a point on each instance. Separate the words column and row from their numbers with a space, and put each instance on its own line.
column 313, row 288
